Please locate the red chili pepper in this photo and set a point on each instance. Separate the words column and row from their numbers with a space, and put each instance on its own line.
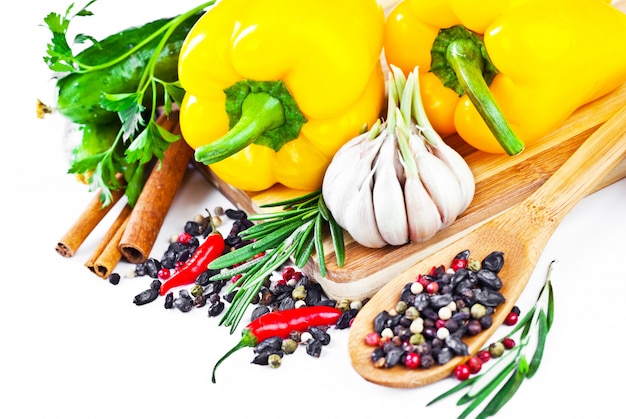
column 281, row 324
column 209, row 250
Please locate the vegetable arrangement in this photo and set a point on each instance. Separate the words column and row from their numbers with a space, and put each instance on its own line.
column 505, row 73
column 260, row 115
column 399, row 181
column 297, row 80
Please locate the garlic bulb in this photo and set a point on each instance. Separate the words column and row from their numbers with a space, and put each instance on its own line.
column 399, row 182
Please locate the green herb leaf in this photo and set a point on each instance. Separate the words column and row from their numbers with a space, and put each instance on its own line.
column 175, row 92
column 60, row 55
column 504, row 395
column 542, row 332
column 151, row 142
column 129, row 108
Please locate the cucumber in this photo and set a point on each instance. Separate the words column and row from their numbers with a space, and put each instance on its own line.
column 79, row 94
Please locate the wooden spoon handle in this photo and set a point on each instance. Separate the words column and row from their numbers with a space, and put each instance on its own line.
column 593, row 160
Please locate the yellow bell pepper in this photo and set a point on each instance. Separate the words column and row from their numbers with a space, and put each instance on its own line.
column 275, row 87
column 504, row 73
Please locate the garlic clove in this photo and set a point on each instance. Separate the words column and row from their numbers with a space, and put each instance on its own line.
column 441, row 184
column 388, row 195
column 423, row 215
column 361, row 221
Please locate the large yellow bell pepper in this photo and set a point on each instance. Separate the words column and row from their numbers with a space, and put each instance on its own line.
column 275, row 87
column 512, row 70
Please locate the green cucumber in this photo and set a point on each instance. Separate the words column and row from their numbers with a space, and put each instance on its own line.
column 79, row 94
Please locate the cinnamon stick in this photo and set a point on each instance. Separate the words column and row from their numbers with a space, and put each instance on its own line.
column 156, row 198
column 85, row 224
column 105, row 257
column 111, row 255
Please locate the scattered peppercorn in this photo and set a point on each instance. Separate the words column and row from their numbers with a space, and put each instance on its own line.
column 114, row 278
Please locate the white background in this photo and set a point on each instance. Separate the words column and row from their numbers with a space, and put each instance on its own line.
column 75, row 346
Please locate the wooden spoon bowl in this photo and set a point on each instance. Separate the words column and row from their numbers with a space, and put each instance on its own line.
column 521, row 232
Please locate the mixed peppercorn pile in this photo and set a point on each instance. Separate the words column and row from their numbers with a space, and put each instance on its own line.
column 425, row 327
column 435, row 312
column 181, row 276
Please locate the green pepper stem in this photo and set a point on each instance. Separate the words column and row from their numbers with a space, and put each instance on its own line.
column 260, row 112
column 247, row 339
column 464, row 57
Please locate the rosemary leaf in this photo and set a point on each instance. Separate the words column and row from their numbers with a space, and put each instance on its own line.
column 270, row 221
column 263, row 229
column 287, row 203
column 244, row 253
column 319, row 245
column 336, row 233
column 305, row 247
column 230, row 272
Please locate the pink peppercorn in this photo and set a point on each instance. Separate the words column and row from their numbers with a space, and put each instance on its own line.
column 484, row 355
column 164, row 273
column 462, row 372
column 511, row 319
column 412, row 360
column 475, row 364
column 372, row 339
column 508, row 343
column 458, row 264
column 288, row 273
column 184, row 238
column 432, row 287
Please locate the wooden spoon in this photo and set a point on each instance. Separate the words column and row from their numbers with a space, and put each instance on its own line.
column 521, row 232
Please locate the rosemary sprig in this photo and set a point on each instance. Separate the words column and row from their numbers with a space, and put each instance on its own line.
column 294, row 232
column 514, row 363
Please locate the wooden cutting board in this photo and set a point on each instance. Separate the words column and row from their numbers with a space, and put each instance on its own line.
column 501, row 182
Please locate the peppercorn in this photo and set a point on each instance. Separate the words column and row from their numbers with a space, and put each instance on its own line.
column 477, row 311
column 146, row 296
column 496, row 349
column 475, row 364
column 314, row 347
column 169, row 300
column 114, row 278
column 216, row 309
column 343, row 305
column 511, row 318
column 508, row 343
column 289, row 346
column 184, row 302
column 462, row 372
column 299, row 293
column 318, row 334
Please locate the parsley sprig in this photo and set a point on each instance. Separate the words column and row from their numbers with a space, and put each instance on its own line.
column 507, row 374
column 294, row 232
column 140, row 139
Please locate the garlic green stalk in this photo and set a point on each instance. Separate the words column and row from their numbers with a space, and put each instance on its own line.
column 399, row 182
